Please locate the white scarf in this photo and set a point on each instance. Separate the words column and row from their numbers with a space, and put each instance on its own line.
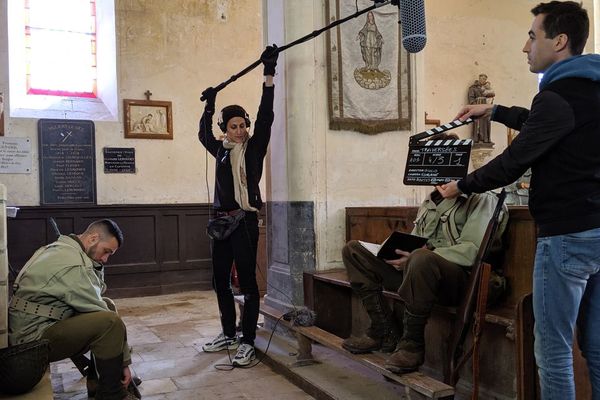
column 238, row 169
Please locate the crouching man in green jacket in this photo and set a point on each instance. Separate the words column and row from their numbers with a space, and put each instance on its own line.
column 58, row 297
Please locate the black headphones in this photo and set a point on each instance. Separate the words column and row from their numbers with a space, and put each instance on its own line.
column 223, row 126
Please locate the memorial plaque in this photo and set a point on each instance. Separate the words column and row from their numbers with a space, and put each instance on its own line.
column 437, row 161
column 119, row 160
column 67, row 162
column 15, row 155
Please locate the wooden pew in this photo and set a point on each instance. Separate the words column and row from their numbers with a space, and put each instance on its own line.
column 423, row 385
column 507, row 366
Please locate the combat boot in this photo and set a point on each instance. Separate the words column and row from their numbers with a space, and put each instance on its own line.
column 386, row 342
column 110, row 373
column 92, row 381
column 410, row 352
column 407, row 357
column 383, row 334
column 91, row 378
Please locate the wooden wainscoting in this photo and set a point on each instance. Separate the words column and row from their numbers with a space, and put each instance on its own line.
column 166, row 248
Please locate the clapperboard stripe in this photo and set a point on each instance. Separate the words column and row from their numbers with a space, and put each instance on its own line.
column 439, row 129
column 449, row 142
column 434, row 161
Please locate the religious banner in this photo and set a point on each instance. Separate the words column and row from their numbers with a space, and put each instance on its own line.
column 368, row 70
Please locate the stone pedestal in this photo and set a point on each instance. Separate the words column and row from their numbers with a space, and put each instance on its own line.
column 291, row 252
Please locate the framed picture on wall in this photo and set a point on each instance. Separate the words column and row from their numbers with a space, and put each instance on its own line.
column 148, row 119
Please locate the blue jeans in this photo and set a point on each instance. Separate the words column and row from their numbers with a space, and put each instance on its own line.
column 566, row 292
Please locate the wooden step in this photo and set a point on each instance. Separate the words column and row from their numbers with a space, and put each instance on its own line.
column 427, row 386
column 418, row 382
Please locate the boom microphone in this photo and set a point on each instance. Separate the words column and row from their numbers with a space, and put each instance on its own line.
column 412, row 18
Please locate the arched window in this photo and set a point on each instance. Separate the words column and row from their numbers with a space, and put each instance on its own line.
column 60, row 47
column 62, row 59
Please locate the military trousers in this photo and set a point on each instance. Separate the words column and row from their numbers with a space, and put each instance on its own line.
column 425, row 280
column 101, row 332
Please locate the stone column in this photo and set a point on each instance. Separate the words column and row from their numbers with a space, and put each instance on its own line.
column 290, row 164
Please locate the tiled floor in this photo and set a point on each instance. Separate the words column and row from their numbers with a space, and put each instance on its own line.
column 167, row 333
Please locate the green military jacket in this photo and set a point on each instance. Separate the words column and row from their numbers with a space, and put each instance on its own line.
column 60, row 275
column 455, row 227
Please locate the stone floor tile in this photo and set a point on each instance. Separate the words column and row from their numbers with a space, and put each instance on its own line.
column 192, row 394
column 167, row 333
column 164, row 351
column 138, row 335
column 157, row 386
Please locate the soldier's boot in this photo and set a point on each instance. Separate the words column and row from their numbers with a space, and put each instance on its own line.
column 110, row 373
column 82, row 363
column 383, row 334
column 410, row 352
column 92, row 380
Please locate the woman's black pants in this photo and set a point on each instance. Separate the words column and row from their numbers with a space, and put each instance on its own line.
column 240, row 248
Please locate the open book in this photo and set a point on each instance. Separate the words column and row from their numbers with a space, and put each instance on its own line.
column 397, row 240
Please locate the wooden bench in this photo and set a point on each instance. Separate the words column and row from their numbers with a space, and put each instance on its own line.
column 508, row 370
column 305, row 335
column 504, row 330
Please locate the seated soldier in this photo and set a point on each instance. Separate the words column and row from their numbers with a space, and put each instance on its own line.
column 422, row 278
column 58, row 297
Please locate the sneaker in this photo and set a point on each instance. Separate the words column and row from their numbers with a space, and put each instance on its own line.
column 221, row 342
column 245, row 355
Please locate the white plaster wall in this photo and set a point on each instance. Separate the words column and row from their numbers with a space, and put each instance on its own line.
column 336, row 169
column 477, row 37
column 175, row 49
column 469, row 37
column 596, row 48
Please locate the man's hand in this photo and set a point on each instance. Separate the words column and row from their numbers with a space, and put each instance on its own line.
column 126, row 377
column 399, row 263
column 474, row 110
column 449, row 190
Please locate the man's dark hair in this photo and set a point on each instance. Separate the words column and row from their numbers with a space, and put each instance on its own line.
column 566, row 17
column 108, row 227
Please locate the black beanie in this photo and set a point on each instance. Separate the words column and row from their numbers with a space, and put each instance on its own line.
column 232, row 111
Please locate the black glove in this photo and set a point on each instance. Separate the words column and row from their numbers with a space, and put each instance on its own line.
column 269, row 59
column 210, row 94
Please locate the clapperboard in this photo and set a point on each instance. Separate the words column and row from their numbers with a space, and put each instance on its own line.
column 433, row 162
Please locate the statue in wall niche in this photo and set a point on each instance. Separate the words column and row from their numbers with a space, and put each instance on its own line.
column 371, row 44
column 481, row 92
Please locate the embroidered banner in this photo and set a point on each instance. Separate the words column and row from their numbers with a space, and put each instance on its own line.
column 368, row 70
